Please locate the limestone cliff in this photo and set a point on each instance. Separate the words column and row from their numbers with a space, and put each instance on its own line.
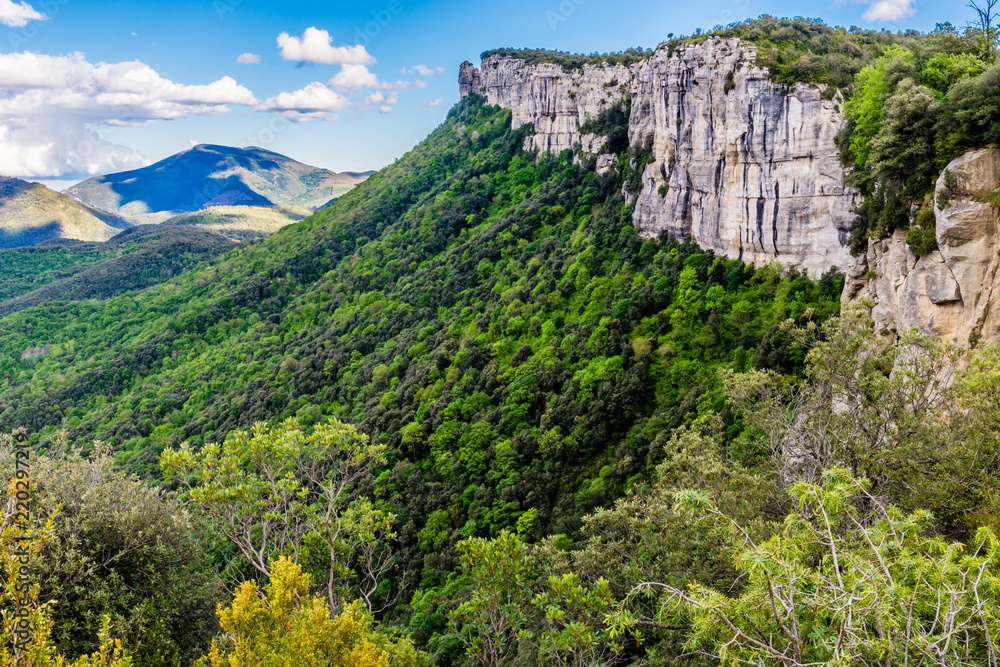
column 555, row 100
column 742, row 164
column 950, row 291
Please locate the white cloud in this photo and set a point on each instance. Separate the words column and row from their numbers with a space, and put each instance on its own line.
column 420, row 84
column 316, row 46
column 422, row 70
column 55, row 110
column 354, row 76
column 248, row 59
column 192, row 142
column 314, row 102
column 890, row 10
column 378, row 97
column 433, row 103
column 16, row 15
column 384, row 109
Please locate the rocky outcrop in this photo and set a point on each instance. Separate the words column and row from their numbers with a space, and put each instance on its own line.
column 748, row 168
column 555, row 100
column 469, row 81
column 949, row 292
column 745, row 166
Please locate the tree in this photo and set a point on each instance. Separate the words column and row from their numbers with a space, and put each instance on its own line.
column 282, row 492
column 283, row 625
column 889, row 410
column 848, row 581
column 122, row 551
column 985, row 24
column 20, row 543
column 500, row 605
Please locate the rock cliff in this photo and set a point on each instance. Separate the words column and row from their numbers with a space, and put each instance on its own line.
column 742, row 164
column 949, row 292
column 555, row 100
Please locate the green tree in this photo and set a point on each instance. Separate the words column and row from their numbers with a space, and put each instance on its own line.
column 893, row 411
column 123, row 552
column 844, row 585
column 280, row 491
column 499, row 608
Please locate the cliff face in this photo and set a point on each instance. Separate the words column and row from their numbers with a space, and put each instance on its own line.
column 556, row 101
column 949, row 292
column 747, row 168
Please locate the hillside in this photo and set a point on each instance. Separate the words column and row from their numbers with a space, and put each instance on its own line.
column 31, row 213
column 240, row 223
column 207, row 176
column 497, row 322
column 133, row 260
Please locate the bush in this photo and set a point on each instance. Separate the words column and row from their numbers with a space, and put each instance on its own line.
column 922, row 237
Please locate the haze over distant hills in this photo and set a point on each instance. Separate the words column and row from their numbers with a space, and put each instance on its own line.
column 31, row 213
column 209, row 176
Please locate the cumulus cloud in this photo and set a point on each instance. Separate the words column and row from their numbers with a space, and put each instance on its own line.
column 17, row 14
column 384, row 109
column 420, row 84
column 433, row 103
column 55, row 111
column 422, row 70
column 314, row 102
column 248, row 59
column 353, row 76
column 316, row 46
column 379, row 97
column 890, row 10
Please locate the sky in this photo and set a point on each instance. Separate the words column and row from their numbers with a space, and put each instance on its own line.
column 93, row 87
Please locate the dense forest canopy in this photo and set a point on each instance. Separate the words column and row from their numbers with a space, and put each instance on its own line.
column 465, row 414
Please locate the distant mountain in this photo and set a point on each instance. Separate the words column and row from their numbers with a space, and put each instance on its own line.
column 209, row 176
column 31, row 213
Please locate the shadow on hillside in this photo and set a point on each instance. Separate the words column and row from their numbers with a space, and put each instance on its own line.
column 33, row 236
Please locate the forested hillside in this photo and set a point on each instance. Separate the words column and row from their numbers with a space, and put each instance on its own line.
column 465, row 414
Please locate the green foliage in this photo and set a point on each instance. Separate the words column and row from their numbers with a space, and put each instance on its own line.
column 133, row 260
column 498, row 608
column 571, row 61
column 897, row 420
column 282, row 492
column 918, row 106
column 806, row 50
column 121, row 552
column 922, row 237
column 848, row 580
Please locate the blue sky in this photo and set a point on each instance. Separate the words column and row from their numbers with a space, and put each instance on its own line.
column 92, row 87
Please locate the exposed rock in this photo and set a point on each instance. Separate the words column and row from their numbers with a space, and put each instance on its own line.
column 746, row 167
column 948, row 292
column 751, row 168
column 556, row 101
column 469, row 80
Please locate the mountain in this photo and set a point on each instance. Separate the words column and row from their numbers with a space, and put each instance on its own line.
column 209, row 176
column 31, row 213
column 745, row 165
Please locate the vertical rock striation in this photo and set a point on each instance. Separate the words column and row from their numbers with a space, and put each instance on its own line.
column 746, row 166
column 555, row 100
